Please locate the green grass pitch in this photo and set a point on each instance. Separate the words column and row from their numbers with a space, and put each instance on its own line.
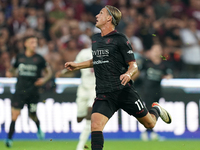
column 108, row 145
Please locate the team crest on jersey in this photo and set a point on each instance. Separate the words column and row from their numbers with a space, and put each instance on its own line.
column 130, row 52
column 108, row 41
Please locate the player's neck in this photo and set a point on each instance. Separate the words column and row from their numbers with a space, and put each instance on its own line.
column 106, row 30
column 29, row 53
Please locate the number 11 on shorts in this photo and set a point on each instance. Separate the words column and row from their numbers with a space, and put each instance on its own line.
column 139, row 104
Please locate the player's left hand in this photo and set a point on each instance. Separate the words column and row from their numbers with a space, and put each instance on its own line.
column 39, row 82
column 125, row 78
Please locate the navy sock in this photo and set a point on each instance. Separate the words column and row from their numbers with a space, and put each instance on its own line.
column 11, row 130
column 97, row 140
column 155, row 111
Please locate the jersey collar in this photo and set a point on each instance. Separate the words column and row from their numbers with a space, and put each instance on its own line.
column 114, row 31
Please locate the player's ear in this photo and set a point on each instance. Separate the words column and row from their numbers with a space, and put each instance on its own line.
column 109, row 18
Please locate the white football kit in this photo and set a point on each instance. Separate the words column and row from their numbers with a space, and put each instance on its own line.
column 86, row 90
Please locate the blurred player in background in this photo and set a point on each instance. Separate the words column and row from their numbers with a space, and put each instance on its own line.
column 85, row 94
column 114, row 65
column 30, row 67
column 154, row 69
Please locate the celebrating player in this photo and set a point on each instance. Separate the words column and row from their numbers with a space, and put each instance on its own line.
column 114, row 65
column 30, row 66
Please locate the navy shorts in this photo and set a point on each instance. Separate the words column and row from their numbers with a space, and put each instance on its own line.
column 20, row 99
column 127, row 99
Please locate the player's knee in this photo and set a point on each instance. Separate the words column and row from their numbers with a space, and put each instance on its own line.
column 14, row 117
column 96, row 126
column 149, row 125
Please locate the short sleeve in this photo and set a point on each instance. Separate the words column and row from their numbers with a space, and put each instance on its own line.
column 126, row 49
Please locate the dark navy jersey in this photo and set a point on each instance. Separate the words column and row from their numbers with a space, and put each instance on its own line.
column 29, row 70
column 111, row 54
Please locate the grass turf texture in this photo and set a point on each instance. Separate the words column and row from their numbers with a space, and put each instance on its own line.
column 109, row 145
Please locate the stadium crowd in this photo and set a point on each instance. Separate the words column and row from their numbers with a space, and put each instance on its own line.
column 64, row 27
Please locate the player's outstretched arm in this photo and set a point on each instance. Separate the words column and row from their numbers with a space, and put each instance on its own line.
column 72, row 66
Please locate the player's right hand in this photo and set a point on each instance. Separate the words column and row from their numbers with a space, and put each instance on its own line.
column 125, row 78
column 71, row 66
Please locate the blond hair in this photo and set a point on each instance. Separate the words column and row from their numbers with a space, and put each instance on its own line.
column 115, row 13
